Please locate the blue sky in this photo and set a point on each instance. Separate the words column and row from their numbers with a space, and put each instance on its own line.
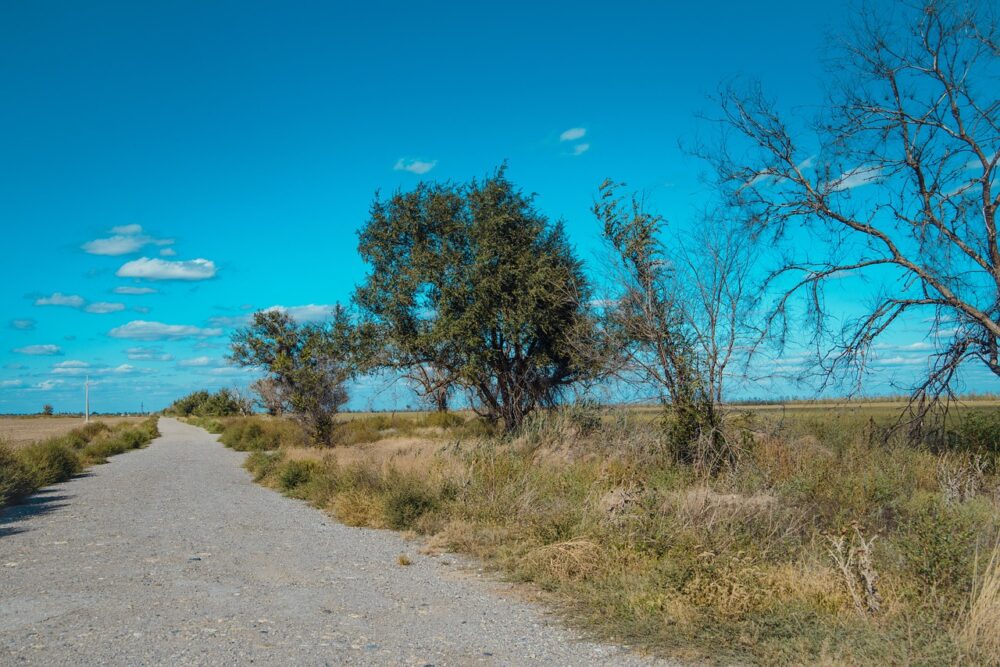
column 166, row 168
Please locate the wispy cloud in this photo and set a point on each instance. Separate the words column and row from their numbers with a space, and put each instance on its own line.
column 60, row 299
column 11, row 383
column 26, row 324
column 127, row 229
column 414, row 166
column 161, row 269
column 127, row 239
column 229, row 321
column 129, row 289
column 168, row 252
column 49, row 385
column 76, row 368
column 39, row 350
column 856, row 178
column 311, row 312
column 143, row 330
column 102, row 307
column 580, row 149
column 198, row 362
column 573, row 133
column 147, row 354
column 308, row 313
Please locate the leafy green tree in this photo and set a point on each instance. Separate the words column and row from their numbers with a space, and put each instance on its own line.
column 308, row 363
column 472, row 285
column 47, row 410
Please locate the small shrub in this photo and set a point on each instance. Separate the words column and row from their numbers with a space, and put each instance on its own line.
column 50, row 462
column 16, row 481
column 406, row 502
column 254, row 434
column 443, row 420
column 294, row 474
column 977, row 431
column 92, row 430
column 262, row 464
column 938, row 541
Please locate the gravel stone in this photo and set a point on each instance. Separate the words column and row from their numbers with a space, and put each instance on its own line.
column 172, row 555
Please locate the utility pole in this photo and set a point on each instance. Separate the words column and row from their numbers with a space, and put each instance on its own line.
column 86, row 400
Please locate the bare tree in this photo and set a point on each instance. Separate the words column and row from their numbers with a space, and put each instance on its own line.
column 894, row 181
column 678, row 317
column 269, row 396
column 714, row 276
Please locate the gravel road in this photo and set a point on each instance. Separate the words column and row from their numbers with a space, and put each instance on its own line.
column 172, row 555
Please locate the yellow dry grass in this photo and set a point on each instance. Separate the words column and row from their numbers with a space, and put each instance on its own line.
column 980, row 635
column 20, row 431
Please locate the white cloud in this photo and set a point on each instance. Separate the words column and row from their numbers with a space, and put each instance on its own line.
column 308, row 313
column 11, row 383
column 143, row 330
column 918, row 346
column 39, row 350
column 22, row 325
column 77, row 368
column 580, row 149
column 60, row 299
column 573, row 133
column 230, row 370
column 230, row 321
column 161, row 269
column 127, row 229
column 102, row 307
column 856, row 178
column 127, row 239
column 48, row 385
column 197, row 362
column 168, row 252
column 71, row 363
column 414, row 166
column 72, row 367
column 115, row 245
column 128, row 289
column 147, row 354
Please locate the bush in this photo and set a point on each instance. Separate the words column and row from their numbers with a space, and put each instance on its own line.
column 50, row 462
column 262, row 464
column 977, row 431
column 255, row 434
column 406, row 501
column 223, row 403
column 443, row 420
column 295, row 473
column 16, row 480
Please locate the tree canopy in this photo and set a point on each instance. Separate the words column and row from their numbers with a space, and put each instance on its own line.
column 473, row 283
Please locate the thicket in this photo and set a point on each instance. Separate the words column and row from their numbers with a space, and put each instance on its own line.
column 223, row 403
column 24, row 470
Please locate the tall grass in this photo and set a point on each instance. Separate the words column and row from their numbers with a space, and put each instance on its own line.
column 823, row 542
column 26, row 469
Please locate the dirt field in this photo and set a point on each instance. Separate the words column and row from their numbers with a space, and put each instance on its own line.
column 18, row 431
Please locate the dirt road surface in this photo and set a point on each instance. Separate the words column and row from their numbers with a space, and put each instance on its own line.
column 172, row 555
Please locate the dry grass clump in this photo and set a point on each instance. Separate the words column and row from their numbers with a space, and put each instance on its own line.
column 823, row 542
column 980, row 632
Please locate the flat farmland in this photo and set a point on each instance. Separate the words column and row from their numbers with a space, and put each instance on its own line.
column 24, row 430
